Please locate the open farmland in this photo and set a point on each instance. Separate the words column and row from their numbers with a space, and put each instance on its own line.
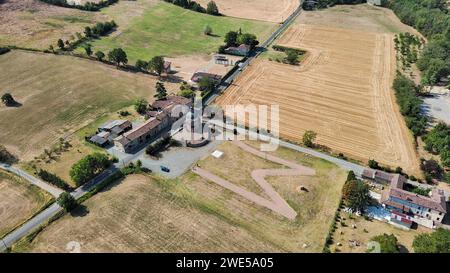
column 342, row 90
column 192, row 214
column 19, row 200
column 31, row 23
column 168, row 30
column 264, row 10
column 59, row 95
column 357, row 17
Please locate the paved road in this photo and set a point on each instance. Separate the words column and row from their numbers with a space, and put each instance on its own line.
column 33, row 180
column 49, row 212
column 350, row 166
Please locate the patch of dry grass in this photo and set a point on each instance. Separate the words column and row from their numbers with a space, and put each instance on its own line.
column 60, row 95
column 19, row 200
column 152, row 214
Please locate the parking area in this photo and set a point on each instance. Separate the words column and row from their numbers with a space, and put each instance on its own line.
column 177, row 159
column 437, row 106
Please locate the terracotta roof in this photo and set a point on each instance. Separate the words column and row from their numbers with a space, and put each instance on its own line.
column 141, row 130
column 435, row 202
column 169, row 101
column 397, row 181
column 419, row 200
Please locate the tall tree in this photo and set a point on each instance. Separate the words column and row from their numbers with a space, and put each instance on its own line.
column 118, row 56
column 61, row 44
column 141, row 65
column 161, row 92
column 231, row 38
column 99, row 55
column 8, row 99
column 141, row 106
column 156, row 64
column 355, row 195
column 66, row 201
column 212, row 8
column 88, row 50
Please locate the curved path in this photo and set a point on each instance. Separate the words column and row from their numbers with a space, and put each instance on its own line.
column 275, row 202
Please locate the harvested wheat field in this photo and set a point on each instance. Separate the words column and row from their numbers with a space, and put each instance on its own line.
column 264, row 10
column 18, row 201
column 357, row 17
column 192, row 214
column 32, row 23
column 342, row 91
column 61, row 94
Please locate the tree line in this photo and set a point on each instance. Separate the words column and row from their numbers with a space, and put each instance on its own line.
column 432, row 19
column 410, row 103
column 94, row 32
column 322, row 4
column 89, row 6
column 211, row 7
column 237, row 38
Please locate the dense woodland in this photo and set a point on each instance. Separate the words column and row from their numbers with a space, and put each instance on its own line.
column 432, row 19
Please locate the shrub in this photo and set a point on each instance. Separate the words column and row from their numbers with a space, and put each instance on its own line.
column 53, row 179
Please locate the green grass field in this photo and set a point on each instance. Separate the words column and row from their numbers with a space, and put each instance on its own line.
column 168, row 30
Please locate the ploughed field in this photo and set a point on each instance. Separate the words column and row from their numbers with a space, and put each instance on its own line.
column 342, row 91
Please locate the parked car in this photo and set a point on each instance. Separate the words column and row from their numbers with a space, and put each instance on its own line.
column 165, row 169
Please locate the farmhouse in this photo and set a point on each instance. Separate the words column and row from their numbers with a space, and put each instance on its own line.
column 408, row 207
column 159, row 118
column 242, row 50
column 142, row 134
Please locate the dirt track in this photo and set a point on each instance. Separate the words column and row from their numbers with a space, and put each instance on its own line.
column 342, row 91
column 276, row 202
